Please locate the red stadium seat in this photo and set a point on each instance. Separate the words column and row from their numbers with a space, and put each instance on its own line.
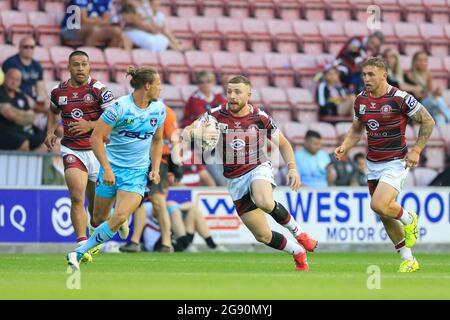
column 359, row 8
column 288, row 10
column 439, row 11
column 46, row 28
column 413, row 10
column 7, row 51
column 146, row 57
column 284, row 37
column 186, row 8
column 333, row 35
column 303, row 104
column 314, row 10
column 277, row 104
column 254, row 66
column 181, row 30
column 226, row 63
column 424, row 176
column 262, row 9
column 237, row 8
column 409, row 36
column 305, row 69
column 405, row 62
column 60, row 58
column 309, row 36
column 99, row 67
column 327, row 131
column 438, row 71
column 323, row 59
column 167, row 7
column 187, row 91
column 437, row 41
column 176, row 72
column 42, row 55
column 118, row 60
column 207, row 36
column 233, row 34
column 213, row 8
column 198, row 61
column 117, row 89
column 256, row 99
column 390, row 10
column 355, row 28
column 390, row 37
column 435, row 157
column 295, row 132
column 5, row 5
column 340, row 10
column 16, row 25
column 26, row 5
column 280, row 68
column 54, row 6
column 445, row 129
column 258, row 35
column 172, row 96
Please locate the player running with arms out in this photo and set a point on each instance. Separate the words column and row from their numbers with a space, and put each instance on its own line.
column 250, row 175
column 133, row 129
column 80, row 101
column 384, row 111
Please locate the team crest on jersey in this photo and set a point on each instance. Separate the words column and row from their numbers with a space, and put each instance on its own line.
column 362, row 109
column 62, row 100
column 153, row 121
column 88, row 98
column 386, row 109
column 77, row 113
column 70, row 159
column 373, row 124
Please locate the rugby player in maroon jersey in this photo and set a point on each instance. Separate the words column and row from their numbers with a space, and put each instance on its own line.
column 79, row 101
column 245, row 132
column 384, row 110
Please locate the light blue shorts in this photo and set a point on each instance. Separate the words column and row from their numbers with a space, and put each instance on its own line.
column 131, row 180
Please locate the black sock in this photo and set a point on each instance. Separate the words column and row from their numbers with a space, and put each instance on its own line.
column 280, row 214
column 278, row 241
column 182, row 243
column 190, row 237
column 210, row 242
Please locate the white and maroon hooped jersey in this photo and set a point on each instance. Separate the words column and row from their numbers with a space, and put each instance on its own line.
column 243, row 141
column 385, row 119
column 86, row 102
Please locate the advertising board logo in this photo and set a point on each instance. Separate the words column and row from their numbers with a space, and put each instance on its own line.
column 61, row 217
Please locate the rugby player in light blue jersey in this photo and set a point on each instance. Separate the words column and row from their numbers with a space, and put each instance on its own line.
column 132, row 127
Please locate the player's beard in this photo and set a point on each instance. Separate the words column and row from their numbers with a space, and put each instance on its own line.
column 236, row 108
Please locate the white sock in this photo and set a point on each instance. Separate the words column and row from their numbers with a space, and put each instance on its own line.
column 405, row 217
column 293, row 247
column 406, row 253
column 293, row 227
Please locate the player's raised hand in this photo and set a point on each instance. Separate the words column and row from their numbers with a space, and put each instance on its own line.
column 108, row 177
column 293, row 180
column 340, row 152
column 80, row 127
column 154, row 177
column 50, row 141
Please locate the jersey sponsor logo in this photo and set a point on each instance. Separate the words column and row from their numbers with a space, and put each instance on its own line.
column 153, row 121
column 107, row 96
column 88, row 98
column 21, row 103
column 373, row 124
column 61, row 217
column 411, row 101
column 62, row 100
column 136, row 135
column 77, row 113
column 362, row 109
column 386, row 109
column 237, row 144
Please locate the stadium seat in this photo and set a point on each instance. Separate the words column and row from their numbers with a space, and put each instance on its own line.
column 117, row 89
column 438, row 71
column 7, row 51
column 339, row 10
column 118, row 60
column 99, row 67
column 186, row 8
column 304, row 107
column 410, row 181
column 256, row 98
column 207, row 36
column 327, row 131
column 282, row 74
column 42, row 55
column 413, row 10
column 237, row 8
column 439, row 11
column 213, row 8
column 146, row 57
column 285, row 40
column 234, row 39
column 54, row 6
column 198, row 61
column 172, row 96
column 288, row 10
column 405, row 62
column 309, row 36
column 424, row 176
column 390, row 10
column 50, row 85
column 26, row 5
column 435, row 157
column 390, row 37
column 176, row 72
column 47, row 30
column 359, row 8
column 333, row 35
column 410, row 135
column 313, row 10
column 16, row 25
column 2, row 34
column 226, row 63
column 409, row 37
column 259, row 38
column 5, row 5
column 60, row 57
column 277, row 104
column 262, row 9
column 181, row 30
column 355, row 28
column 437, row 41
column 295, row 132
column 167, row 7
column 445, row 129
column 305, row 69
column 323, row 59
column 253, row 65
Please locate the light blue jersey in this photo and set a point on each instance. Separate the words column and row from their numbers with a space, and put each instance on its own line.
column 133, row 131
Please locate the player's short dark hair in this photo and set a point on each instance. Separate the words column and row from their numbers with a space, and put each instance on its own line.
column 358, row 156
column 203, row 74
column 240, row 79
column 379, row 35
column 141, row 76
column 78, row 53
column 376, row 62
column 312, row 134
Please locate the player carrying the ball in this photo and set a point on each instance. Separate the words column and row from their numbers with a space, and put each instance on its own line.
column 245, row 129
column 384, row 111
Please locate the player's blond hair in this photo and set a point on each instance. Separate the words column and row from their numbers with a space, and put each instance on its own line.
column 140, row 76
column 376, row 62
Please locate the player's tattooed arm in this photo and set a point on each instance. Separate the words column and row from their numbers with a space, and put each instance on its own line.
column 426, row 127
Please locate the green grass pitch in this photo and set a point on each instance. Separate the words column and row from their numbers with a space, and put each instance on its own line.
column 223, row 276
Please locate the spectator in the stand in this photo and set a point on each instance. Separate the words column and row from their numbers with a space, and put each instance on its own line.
column 144, row 26
column 96, row 25
column 360, row 174
column 33, row 85
column 353, row 54
column 313, row 163
column 343, row 170
column 432, row 96
column 331, row 97
column 17, row 131
column 396, row 76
